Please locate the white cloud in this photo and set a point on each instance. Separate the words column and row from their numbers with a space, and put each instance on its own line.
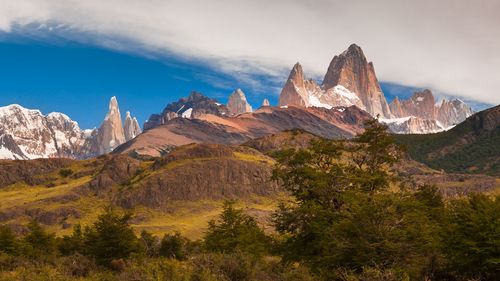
column 452, row 46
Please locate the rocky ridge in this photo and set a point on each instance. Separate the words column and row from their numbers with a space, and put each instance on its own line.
column 193, row 106
column 426, row 115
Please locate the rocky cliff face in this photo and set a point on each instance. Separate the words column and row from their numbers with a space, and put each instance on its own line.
column 294, row 92
column 191, row 107
column 412, row 125
column 237, row 103
column 352, row 71
column 110, row 134
column 451, row 113
column 422, row 105
column 131, row 127
column 350, row 80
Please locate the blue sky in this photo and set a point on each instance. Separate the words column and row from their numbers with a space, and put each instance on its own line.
column 71, row 56
column 78, row 80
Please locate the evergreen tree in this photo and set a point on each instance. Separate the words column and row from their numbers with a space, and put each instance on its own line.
column 8, row 241
column 37, row 243
column 472, row 237
column 235, row 231
column 346, row 213
column 110, row 237
column 71, row 244
column 173, row 246
column 149, row 244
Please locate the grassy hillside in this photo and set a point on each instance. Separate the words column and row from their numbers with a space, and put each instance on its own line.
column 77, row 191
column 470, row 147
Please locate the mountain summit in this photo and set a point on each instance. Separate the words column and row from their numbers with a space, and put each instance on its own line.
column 351, row 80
column 111, row 132
column 237, row 103
column 352, row 71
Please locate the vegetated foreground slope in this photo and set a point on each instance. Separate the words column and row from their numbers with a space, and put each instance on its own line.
column 471, row 147
column 180, row 191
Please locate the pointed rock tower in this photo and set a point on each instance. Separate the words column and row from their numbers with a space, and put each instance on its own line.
column 110, row 134
column 352, row 71
column 265, row 102
column 237, row 103
column 294, row 92
column 131, row 127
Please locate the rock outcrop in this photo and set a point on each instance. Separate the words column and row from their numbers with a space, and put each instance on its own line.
column 352, row 71
column 191, row 107
column 412, row 125
column 131, row 127
column 110, row 134
column 265, row 102
column 452, row 112
column 294, row 92
column 237, row 103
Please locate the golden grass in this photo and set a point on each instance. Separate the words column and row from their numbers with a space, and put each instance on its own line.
column 23, row 194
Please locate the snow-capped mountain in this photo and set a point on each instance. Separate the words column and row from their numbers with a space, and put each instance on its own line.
column 351, row 80
column 434, row 117
column 29, row 134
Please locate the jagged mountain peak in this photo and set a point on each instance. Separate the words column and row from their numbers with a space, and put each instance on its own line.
column 131, row 127
column 237, row 103
column 194, row 105
column 353, row 51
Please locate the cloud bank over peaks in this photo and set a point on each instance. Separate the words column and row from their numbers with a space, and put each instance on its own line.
column 451, row 46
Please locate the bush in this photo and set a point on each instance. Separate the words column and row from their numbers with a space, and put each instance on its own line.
column 65, row 173
column 173, row 246
column 8, row 241
column 38, row 244
column 472, row 237
column 236, row 231
column 110, row 238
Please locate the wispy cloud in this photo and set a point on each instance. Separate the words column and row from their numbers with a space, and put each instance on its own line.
column 450, row 46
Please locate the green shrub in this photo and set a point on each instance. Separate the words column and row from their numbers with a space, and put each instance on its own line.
column 236, row 231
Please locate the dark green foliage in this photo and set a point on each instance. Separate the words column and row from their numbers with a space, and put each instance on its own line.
column 38, row 244
column 473, row 237
column 65, row 173
column 173, row 246
column 344, row 214
column 8, row 241
column 235, row 231
column 467, row 148
column 71, row 244
column 149, row 244
column 110, row 238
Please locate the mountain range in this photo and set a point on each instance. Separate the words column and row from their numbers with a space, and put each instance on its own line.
column 337, row 107
column 28, row 134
